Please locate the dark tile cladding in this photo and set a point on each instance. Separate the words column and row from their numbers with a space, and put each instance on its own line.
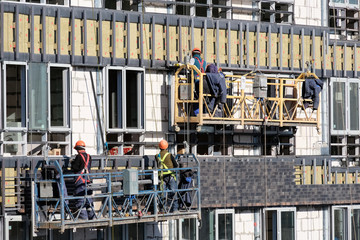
column 260, row 184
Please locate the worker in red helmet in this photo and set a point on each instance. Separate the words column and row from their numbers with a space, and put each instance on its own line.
column 81, row 165
column 197, row 61
column 165, row 160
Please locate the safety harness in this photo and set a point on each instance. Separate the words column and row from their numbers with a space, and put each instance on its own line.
column 201, row 64
column 163, row 165
column 85, row 169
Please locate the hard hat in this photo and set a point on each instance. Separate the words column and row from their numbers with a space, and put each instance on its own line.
column 163, row 144
column 79, row 145
column 196, row 50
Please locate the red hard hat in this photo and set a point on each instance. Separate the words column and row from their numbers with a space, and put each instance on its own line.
column 163, row 144
column 196, row 50
column 79, row 144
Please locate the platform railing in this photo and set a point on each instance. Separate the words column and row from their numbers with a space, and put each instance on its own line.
column 112, row 206
column 242, row 106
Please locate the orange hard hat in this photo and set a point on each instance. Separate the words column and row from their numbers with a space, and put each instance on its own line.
column 79, row 145
column 196, row 50
column 163, row 144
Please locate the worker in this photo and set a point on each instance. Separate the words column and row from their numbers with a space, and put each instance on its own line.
column 198, row 62
column 167, row 177
column 81, row 165
column 201, row 65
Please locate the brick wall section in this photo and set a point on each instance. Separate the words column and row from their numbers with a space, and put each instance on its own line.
column 248, row 185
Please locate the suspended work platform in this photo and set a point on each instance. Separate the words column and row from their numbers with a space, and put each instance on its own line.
column 129, row 196
column 251, row 99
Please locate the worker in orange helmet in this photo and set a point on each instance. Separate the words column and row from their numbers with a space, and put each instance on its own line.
column 197, row 61
column 81, row 165
column 165, row 160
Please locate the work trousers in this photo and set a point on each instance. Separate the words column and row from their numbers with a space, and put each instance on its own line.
column 169, row 183
column 85, row 205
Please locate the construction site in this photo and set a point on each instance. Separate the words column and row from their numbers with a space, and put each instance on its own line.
column 257, row 101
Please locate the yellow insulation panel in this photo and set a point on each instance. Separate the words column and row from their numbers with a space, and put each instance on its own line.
column 173, row 43
column 24, row 44
column 210, row 46
column 119, row 39
column 9, row 31
column 106, row 39
column 199, row 40
column 251, row 51
column 275, row 46
column 37, row 35
column 223, row 46
column 92, row 38
column 10, row 174
column 186, row 40
column 50, row 35
column 263, row 49
column 160, row 44
column 339, row 57
column 234, row 46
column 349, row 58
column 160, row 50
column 319, row 175
column 296, row 51
column 285, row 55
column 318, row 57
column 307, row 44
column 64, row 36
column 357, row 67
column 147, row 37
column 78, row 37
column 308, row 175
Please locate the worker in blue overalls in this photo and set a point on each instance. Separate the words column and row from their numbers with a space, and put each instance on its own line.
column 201, row 65
column 166, row 161
column 81, row 165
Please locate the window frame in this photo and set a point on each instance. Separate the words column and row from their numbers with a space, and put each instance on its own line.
column 24, row 99
column 67, row 98
column 278, row 220
column 346, row 4
column 179, row 225
column 346, row 98
column 348, row 221
column 141, row 100
column 42, row 2
column 224, row 211
column 15, row 218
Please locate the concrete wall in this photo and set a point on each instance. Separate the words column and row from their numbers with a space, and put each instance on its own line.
column 242, row 15
column 309, row 223
column 307, row 12
column 83, row 109
column 244, row 225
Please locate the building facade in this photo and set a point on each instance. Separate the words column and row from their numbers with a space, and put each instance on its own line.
column 104, row 71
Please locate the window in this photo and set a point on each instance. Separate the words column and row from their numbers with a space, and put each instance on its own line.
column 125, row 99
column 345, row 116
column 36, row 109
column 133, row 231
column 279, row 223
column 187, row 229
column 344, row 18
column 14, row 101
column 16, row 227
column 345, row 222
column 276, row 11
column 224, row 224
column 59, row 97
column 52, row 2
column 125, row 110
